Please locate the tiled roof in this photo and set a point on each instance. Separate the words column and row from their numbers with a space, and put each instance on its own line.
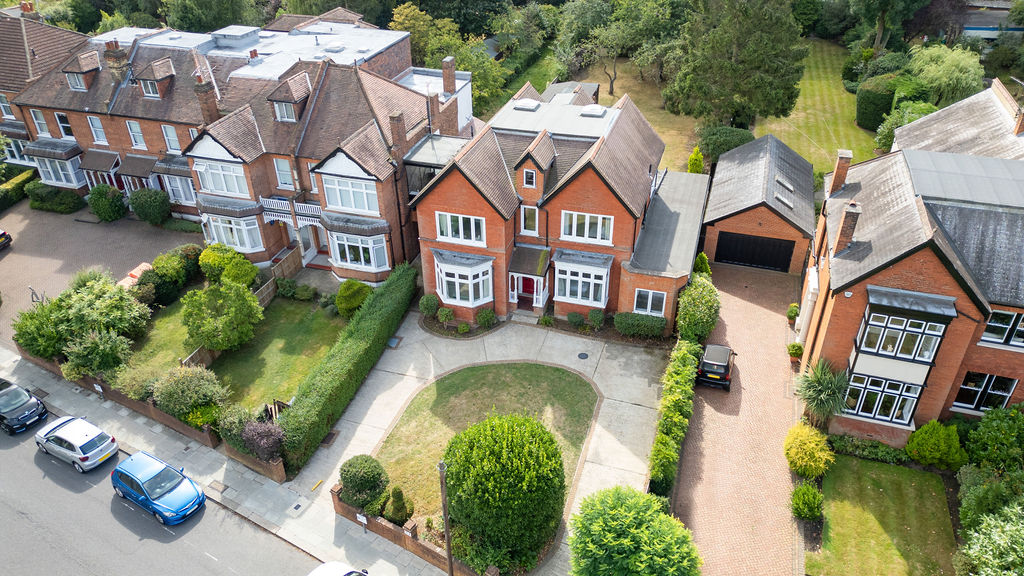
column 288, row 22
column 31, row 48
column 542, row 150
column 239, row 133
column 368, row 149
column 587, row 89
column 157, row 70
column 85, row 62
column 14, row 129
column 527, row 91
column 228, row 206
column 481, row 161
column 137, row 165
column 99, row 160
column 348, row 224
column 57, row 148
column 387, row 97
column 340, row 14
column 294, row 89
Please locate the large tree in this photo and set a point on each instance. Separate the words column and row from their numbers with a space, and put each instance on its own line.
column 950, row 74
column 737, row 59
column 579, row 20
column 472, row 16
column 207, row 15
column 418, row 24
column 886, row 14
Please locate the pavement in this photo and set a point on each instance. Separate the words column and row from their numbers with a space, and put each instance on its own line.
column 733, row 487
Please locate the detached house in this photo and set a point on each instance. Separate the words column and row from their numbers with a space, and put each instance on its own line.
column 559, row 201
column 916, row 287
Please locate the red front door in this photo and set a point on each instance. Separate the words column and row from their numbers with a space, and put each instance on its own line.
column 528, row 284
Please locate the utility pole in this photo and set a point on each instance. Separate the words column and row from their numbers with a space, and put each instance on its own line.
column 443, row 469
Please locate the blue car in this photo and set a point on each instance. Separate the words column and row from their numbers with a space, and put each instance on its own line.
column 165, row 492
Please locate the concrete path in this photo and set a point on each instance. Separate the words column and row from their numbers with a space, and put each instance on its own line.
column 734, row 484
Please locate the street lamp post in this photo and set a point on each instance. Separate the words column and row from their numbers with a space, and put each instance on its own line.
column 442, row 468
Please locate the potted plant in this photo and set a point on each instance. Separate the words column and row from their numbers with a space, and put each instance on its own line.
column 796, row 351
column 792, row 313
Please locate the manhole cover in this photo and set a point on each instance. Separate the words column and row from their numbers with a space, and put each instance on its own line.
column 583, row 355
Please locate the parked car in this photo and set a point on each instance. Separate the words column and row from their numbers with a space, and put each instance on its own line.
column 76, row 441
column 715, row 368
column 164, row 491
column 336, row 569
column 5, row 239
column 18, row 408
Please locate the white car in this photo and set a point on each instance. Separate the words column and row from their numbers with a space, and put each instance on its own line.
column 336, row 569
column 77, row 442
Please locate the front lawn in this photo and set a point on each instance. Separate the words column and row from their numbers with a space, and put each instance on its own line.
column 163, row 347
column 563, row 401
column 883, row 519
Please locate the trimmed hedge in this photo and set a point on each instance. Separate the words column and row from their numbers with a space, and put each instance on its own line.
column 698, row 309
column 874, row 101
column 45, row 197
column 325, row 393
column 13, row 190
column 675, row 409
column 642, row 325
column 867, row 449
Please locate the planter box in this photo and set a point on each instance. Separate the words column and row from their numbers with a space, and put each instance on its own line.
column 273, row 470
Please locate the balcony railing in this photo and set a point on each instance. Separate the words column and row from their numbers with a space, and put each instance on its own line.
column 308, row 209
column 275, row 204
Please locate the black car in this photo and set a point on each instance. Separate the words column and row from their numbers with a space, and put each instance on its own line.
column 5, row 239
column 715, row 368
column 18, row 408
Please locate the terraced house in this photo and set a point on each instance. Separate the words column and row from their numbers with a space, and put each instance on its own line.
column 559, row 200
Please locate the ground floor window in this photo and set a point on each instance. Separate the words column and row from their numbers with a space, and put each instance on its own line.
column 96, row 178
column 242, row 234
column 581, row 285
column 180, row 190
column 464, row 286
column 881, row 399
column 649, row 302
column 367, row 252
column 15, row 151
column 64, row 173
column 981, row 391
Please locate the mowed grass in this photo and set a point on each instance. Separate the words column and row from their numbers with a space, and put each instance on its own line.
column 563, row 401
column 823, row 120
column 293, row 337
column 882, row 519
column 163, row 347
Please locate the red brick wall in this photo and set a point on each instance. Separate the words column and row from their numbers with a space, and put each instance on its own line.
column 630, row 281
column 987, row 359
column 392, row 61
column 115, row 129
column 759, row 221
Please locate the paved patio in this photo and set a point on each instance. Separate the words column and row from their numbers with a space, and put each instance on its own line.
column 734, row 484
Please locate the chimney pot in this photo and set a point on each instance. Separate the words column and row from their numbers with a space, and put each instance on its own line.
column 843, row 159
column 253, row 54
column 847, row 226
column 448, row 75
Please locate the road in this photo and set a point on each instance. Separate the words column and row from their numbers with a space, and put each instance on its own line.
column 57, row 521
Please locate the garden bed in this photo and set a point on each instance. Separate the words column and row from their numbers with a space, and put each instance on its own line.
column 563, row 401
column 610, row 334
column 431, row 324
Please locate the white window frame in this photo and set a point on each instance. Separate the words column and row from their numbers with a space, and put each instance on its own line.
column 983, row 390
column 138, row 140
column 446, row 224
column 284, row 111
column 283, row 169
column 99, row 135
column 351, row 195
column 1005, row 327
column 180, row 190
column 222, row 178
column 881, row 391
column 75, row 81
column 924, row 338
column 476, row 283
column 5, row 107
column 150, row 89
column 66, row 132
column 39, row 120
column 15, row 152
column 529, row 178
column 171, row 137
column 522, row 220
column 648, row 307
column 371, row 251
column 313, row 189
column 63, row 173
column 585, row 278
column 242, row 234
column 571, row 223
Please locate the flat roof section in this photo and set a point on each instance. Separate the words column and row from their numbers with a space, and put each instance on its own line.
column 435, row 150
column 561, row 119
column 668, row 240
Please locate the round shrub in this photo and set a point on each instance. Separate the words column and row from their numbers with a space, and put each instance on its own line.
column 463, row 327
column 998, row 440
column 575, row 319
column 874, row 101
column 190, row 255
column 165, row 291
column 698, row 309
column 185, row 388
column 221, row 316
column 445, row 315
column 807, row 502
column 398, row 510
column 240, row 271
column 94, row 354
column 429, row 303
column 792, row 312
column 485, row 318
column 362, row 480
column 144, row 293
column 351, row 295
column 936, row 445
column 107, row 203
column 171, row 268
column 506, row 485
column 714, row 141
column 595, row 318
column 807, row 451
column 215, row 258
column 263, row 439
column 795, row 349
column 150, row 205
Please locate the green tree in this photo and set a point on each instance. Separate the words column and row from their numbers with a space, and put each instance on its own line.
column 737, row 61
column 608, row 44
column 470, row 54
column 885, row 14
column 207, row 15
column 1017, row 12
column 112, row 22
column 221, row 316
column 579, row 19
column 823, row 392
column 904, row 114
column 806, row 13
column 471, row 16
column 695, row 164
column 951, row 74
column 623, row 531
column 418, row 24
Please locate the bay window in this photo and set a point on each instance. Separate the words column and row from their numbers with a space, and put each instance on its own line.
column 904, row 338
column 880, row 399
column 984, row 391
column 464, row 286
column 242, row 234
column 460, row 229
column 649, row 302
column 351, row 194
column 581, row 284
column 363, row 252
column 65, row 173
column 590, row 228
column 15, row 151
column 222, row 178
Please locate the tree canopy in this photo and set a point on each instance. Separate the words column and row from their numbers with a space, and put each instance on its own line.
column 950, row 74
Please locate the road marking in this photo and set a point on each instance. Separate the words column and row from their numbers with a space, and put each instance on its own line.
column 169, row 530
column 212, row 556
column 128, row 506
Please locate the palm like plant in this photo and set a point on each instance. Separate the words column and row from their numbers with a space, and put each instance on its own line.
column 823, row 392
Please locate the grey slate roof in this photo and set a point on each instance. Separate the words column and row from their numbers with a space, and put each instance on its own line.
column 459, row 258
column 56, row 148
column 768, row 172
column 99, row 160
column 532, row 260
column 567, row 256
column 228, row 206
column 14, row 129
column 668, row 240
column 358, row 225
column 173, row 164
column 911, row 300
column 136, row 165
column 590, row 89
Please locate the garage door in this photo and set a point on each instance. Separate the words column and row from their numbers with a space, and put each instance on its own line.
column 770, row 253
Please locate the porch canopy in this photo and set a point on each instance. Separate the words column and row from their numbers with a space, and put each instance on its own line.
column 137, row 166
column 99, row 160
column 921, row 302
column 530, row 260
column 172, row 165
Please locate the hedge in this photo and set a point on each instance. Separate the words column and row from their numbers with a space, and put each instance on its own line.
column 675, row 409
column 45, row 197
column 642, row 325
column 13, row 190
column 325, row 393
column 714, row 141
column 874, row 101
column 698, row 309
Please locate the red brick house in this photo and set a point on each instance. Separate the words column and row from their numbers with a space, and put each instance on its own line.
column 916, row 287
column 562, row 202
column 761, row 207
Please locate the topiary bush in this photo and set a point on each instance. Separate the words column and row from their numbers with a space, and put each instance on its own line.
column 506, row 486
column 698, row 309
column 714, row 141
column 185, row 388
column 936, row 445
column 807, row 502
column 998, row 440
column 445, row 315
column 463, row 328
column 867, row 449
column 429, row 303
column 362, row 480
column 351, row 295
column 695, row 163
column 639, row 325
column 107, row 203
column 150, row 205
column 807, row 451
column 595, row 317
column 701, row 264
column 221, row 316
column 792, row 312
column 874, row 101
column 575, row 319
column 95, row 354
column 795, row 349
column 263, row 439
column 398, row 509
column 485, row 318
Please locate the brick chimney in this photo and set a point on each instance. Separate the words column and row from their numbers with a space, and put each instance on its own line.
column 434, row 112
column 207, row 96
column 117, row 59
column 448, row 75
column 839, row 174
column 398, row 133
column 847, row 226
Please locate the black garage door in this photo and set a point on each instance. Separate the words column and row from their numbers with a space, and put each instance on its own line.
column 756, row 251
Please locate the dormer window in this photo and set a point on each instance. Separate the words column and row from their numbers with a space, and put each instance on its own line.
column 150, row 89
column 75, row 81
column 285, row 111
column 530, row 178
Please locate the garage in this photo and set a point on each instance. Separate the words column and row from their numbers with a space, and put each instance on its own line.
column 757, row 251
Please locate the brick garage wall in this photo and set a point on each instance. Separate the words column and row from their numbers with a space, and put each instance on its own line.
column 759, row 221
column 630, row 281
column 392, row 61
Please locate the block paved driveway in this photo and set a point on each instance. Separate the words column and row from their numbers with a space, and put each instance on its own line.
column 49, row 248
column 733, row 486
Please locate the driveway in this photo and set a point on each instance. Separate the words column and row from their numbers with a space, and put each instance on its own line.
column 733, row 486
column 49, row 248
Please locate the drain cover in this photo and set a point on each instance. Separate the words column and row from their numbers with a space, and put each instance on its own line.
column 583, row 355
